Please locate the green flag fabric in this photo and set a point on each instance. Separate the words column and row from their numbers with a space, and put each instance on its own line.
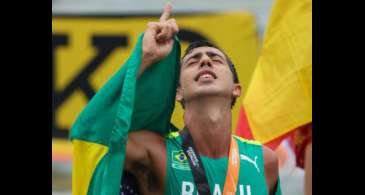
column 123, row 104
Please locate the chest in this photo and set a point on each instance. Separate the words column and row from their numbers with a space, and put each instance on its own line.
column 180, row 178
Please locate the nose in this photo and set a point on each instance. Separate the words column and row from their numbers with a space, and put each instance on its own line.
column 205, row 61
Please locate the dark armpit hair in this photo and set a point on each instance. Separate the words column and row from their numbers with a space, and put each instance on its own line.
column 204, row 43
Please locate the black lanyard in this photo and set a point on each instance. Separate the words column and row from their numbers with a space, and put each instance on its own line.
column 195, row 163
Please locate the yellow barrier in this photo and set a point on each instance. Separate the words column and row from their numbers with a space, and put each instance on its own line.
column 87, row 51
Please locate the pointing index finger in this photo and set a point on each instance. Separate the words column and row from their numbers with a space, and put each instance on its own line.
column 166, row 12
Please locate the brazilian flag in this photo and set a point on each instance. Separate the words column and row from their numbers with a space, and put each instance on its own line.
column 123, row 104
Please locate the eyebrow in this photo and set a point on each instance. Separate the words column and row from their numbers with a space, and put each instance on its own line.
column 200, row 54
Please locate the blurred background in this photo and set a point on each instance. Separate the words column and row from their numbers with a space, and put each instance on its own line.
column 92, row 38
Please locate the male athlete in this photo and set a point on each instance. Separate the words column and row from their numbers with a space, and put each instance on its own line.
column 207, row 90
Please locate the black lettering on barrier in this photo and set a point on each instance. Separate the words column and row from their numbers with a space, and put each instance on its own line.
column 191, row 36
column 105, row 44
column 57, row 41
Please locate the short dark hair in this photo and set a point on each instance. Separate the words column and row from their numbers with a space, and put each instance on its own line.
column 204, row 43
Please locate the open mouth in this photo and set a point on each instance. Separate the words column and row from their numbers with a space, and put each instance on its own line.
column 206, row 74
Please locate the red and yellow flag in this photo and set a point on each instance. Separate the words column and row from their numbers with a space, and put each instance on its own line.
column 279, row 97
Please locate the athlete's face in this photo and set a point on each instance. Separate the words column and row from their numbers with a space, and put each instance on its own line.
column 205, row 72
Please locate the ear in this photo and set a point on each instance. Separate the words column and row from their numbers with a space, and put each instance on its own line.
column 179, row 96
column 236, row 90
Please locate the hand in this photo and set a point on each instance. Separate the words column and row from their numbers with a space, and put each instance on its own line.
column 158, row 39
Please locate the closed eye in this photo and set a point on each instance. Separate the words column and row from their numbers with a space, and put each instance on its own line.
column 193, row 59
column 192, row 62
column 217, row 59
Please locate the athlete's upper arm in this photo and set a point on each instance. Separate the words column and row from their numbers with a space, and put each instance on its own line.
column 271, row 169
column 138, row 148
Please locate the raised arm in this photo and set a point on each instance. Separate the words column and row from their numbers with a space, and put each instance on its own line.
column 157, row 43
column 158, row 39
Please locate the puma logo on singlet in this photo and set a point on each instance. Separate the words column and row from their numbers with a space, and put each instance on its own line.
column 248, row 159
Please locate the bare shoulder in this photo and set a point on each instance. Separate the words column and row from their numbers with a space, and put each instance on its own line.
column 271, row 163
column 146, row 137
column 142, row 148
column 146, row 159
column 151, row 142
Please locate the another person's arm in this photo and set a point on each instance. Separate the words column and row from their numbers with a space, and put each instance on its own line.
column 271, row 169
column 308, row 169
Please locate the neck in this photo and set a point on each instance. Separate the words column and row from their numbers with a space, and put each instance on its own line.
column 209, row 123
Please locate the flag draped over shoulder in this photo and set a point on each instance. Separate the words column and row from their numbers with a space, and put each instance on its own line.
column 279, row 97
column 123, row 104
